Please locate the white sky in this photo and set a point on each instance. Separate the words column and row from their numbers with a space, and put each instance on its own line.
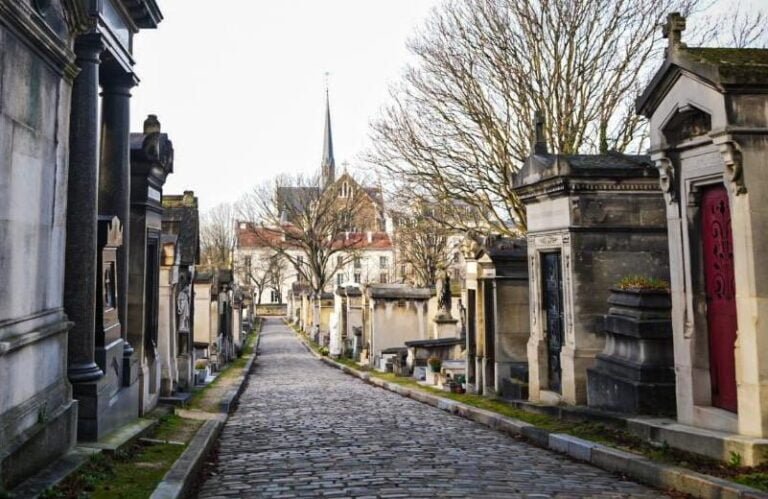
column 239, row 84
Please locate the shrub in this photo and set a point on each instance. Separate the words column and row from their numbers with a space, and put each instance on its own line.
column 324, row 351
column 637, row 282
column 201, row 363
column 435, row 364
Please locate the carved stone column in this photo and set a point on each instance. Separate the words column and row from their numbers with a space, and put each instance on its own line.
column 80, row 275
column 115, row 176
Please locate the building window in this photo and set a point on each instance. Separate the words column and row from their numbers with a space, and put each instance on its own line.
column 357, row 277
column 383, row 278
column 345, row 191
column 358, row 263
column 275, row 298
column 456, row 257
column 383, row 262
column 339, row 261
column 339, row 279
column 247, row 264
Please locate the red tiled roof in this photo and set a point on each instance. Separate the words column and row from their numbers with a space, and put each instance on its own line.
column 263, row 237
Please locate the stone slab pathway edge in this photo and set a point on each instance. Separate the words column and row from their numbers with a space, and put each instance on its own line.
column 177, row 482
column 641, row 469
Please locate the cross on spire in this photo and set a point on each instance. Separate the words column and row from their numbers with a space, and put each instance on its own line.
column 673, row 29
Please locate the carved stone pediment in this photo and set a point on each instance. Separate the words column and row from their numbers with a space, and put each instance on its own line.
column 687, row 123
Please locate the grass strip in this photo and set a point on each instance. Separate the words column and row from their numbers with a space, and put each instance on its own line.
column 208, row 397
column 130, row 473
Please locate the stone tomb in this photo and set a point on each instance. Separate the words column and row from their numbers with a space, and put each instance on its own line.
column 151, row 163
column 709, row 141
column 204, row 332
column 635, row 373
column 181, row 226
column 393, row 314
column 592, row 219
column 497, row 297
column 169, row 295
column 37, row 413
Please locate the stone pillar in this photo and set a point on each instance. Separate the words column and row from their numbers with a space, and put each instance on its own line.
column 80, row 264
column 115, row 176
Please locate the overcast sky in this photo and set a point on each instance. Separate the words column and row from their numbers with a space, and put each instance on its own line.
column 239, row 84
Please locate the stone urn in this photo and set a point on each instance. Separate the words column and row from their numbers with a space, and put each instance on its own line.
column 635, row 372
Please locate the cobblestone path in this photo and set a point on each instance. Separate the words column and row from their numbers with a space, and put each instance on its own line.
column 306, row 429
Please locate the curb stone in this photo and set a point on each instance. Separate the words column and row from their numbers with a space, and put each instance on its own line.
column 177, row 482
column 634, row 466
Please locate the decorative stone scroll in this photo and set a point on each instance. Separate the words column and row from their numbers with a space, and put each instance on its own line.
column 734, row 166
column 666, row 177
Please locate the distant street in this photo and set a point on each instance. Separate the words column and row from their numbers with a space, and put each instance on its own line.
column 305, row 429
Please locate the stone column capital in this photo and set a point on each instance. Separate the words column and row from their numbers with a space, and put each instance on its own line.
column 118, row 83
column 88, row 48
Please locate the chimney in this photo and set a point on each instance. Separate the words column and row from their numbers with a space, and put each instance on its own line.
column 370, row 237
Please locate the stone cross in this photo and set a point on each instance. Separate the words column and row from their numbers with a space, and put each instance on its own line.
column 673, row 29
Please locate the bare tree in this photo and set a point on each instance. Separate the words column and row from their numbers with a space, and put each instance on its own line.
column 277, row 274
column 306, row 224
column 422, row 247
column 461, row 121
column 257, row 275
column 739, row 25
column 217, row 235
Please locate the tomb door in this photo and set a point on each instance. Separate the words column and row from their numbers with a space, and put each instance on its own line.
column 471, row 332
column 720, row 288
column 553, row 315
column 489, row 302
column 151, row 293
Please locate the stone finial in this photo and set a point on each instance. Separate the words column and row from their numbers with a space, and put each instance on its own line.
column 151, row 124
column 115, row 233
column 673, row 30
column 539, row 138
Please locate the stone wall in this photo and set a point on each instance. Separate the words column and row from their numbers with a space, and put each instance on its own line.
column 37, row 413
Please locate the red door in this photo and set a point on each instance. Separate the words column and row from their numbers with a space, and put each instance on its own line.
column 717, row 243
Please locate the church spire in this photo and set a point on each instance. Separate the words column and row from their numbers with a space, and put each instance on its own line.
column 328, row 162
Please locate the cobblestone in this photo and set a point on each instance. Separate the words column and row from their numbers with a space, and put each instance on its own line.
column 305, row 429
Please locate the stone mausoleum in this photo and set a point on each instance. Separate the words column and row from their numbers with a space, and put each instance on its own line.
column 151, row 163
column 498, row 325
column 37, row 414
column 592, row 219
column 68, row 70
column 708, row 111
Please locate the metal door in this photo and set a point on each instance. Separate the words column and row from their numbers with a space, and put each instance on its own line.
column 553, row 315
column 717, row 244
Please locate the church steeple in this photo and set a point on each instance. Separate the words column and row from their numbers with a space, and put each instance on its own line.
column 328, row 163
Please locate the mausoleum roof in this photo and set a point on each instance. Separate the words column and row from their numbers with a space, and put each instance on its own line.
column 585, row 171
column 729, row 70
column 399, row 292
